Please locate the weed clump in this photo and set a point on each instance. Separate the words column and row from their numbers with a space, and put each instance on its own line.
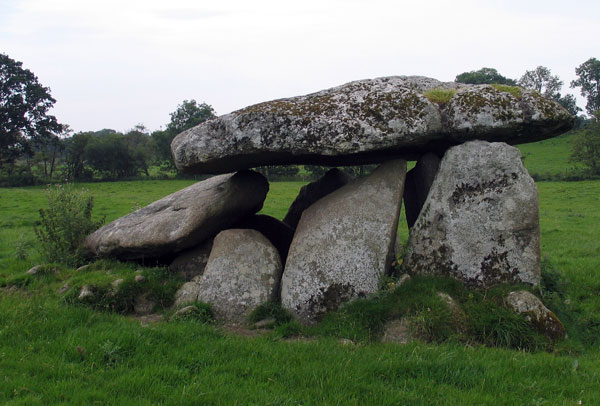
column 198, row 311
column 439, row 95
column 513, row 90
column 65, row 224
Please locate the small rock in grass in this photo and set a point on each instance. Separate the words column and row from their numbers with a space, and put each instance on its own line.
column 346, row 342
column 35, row 270
column 140, row 278
column 264, row 323
column 86, row 293
column 116, row 283
column 63, row 289
column 543, row 319
column 186, row 311
column 403, row 279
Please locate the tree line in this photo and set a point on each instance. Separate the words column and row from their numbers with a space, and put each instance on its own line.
column 35, row 147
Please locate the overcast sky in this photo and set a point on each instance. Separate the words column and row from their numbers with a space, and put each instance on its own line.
column 117, row 63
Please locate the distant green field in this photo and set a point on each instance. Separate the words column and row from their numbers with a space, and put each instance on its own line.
column 52, row 352
column 548, row 157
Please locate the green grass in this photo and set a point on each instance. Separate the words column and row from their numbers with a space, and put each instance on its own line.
column 514, row 90
column 548, row 158
column 55, row 351
column 439, row 96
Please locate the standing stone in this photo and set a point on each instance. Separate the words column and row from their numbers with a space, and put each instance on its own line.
column 418, row 182
column 332, row 180
column 181, row 220
column 344, row 243
column 243, row 272
column 480, row 222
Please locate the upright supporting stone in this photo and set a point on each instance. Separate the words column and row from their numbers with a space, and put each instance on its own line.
column 418, row 182
column 480, row 223
column 243, row 272
column 344, row 243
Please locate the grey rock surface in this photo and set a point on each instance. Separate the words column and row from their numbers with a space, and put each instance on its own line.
column 181, row 220
column 243, row 272
column 187, row 293
column 418, row 182
column 343, row 244
column 480, row 223
column 543, row 319
column 191, row 263
column 277, row 232
column 367, row 121
column 332, row 180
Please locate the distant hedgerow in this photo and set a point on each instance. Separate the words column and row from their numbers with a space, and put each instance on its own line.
column 65, row 224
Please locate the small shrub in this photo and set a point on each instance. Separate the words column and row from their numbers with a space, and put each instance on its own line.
column 65, row 224
column 439, row 96
column 111, row 353
column 514, row 90
column 22, row 248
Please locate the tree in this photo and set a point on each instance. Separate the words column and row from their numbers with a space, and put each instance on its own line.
column 588, row 80
column 24, row 105
column 140, row 148
column 188, row 115
column 541, row 80
column 484, row 76
column 586, row 146
column 75, row 156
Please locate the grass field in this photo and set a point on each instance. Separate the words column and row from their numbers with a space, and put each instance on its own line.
column 54, row 352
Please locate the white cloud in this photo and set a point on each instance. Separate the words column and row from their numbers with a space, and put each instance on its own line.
column 115, row 63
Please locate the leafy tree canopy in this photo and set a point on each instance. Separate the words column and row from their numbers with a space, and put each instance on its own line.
column 24, row 105
column 189, row 114
column 588, row 79
column 484, row 76
column 542, row 80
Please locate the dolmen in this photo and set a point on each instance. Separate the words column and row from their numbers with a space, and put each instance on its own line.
column 471, row 205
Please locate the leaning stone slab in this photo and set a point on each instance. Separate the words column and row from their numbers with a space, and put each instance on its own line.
column 343, row 244
column 181, row 220
column 332, row 180
column 368, row 121
column 243, row 272
column 540, row 317
column 480, row 223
